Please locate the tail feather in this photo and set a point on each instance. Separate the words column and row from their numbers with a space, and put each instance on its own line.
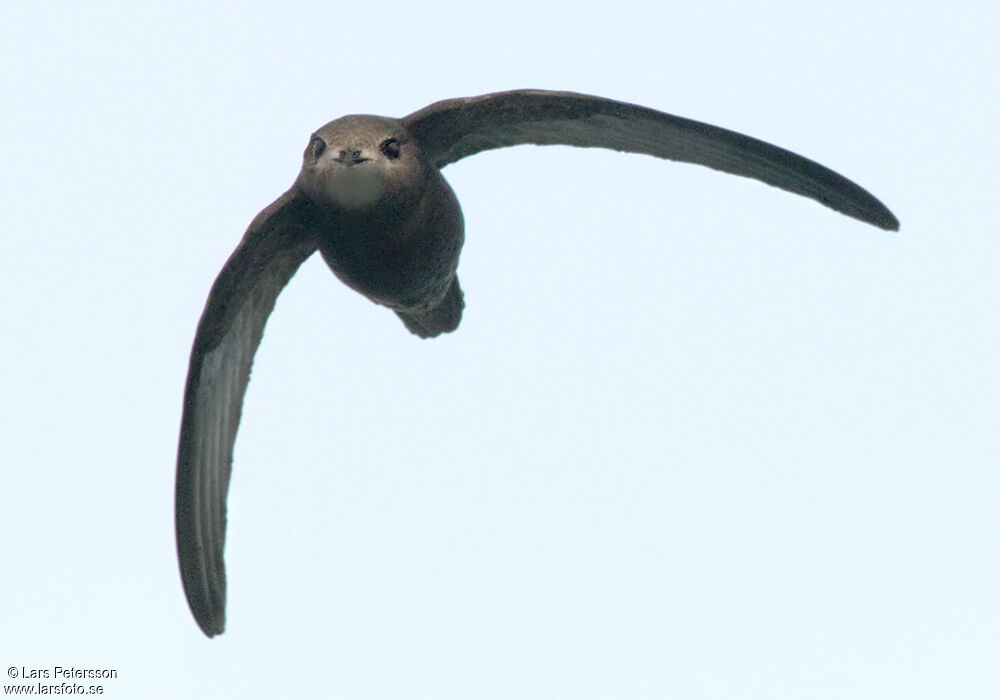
column 439, row 319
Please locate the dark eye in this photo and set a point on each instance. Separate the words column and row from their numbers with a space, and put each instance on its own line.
column 316, row 147
column 390, row 147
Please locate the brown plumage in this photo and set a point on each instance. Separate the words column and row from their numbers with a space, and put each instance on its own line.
column 371, row 198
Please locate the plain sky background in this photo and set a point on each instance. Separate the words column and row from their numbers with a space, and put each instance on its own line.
column 696, row 437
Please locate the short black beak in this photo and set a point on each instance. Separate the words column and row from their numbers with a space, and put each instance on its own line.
column 350, row 157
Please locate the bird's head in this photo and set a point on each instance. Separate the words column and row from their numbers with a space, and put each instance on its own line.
column 359, row 162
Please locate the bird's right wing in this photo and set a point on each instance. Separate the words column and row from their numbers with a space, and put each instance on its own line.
column 453, row 129
column 277, row 242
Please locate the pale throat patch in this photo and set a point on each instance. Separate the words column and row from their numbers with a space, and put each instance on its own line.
column 358, row 187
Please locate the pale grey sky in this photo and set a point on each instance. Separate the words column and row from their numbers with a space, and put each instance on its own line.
column 696, row 437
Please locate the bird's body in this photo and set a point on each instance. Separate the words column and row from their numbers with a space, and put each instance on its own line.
column 387, row 223
column 371, row 198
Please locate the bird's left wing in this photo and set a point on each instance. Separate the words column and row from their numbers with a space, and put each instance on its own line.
column 454, row 129
column 277, row 242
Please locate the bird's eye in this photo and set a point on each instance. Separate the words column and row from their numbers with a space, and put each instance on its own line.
column 316, row 147
column 390, row 147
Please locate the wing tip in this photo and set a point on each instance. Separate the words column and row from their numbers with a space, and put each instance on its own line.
column 213, row 628
column 211, row 619
column 883, row 218
column 205, row 592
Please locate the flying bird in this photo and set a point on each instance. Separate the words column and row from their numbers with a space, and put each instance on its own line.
column 371, row 198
